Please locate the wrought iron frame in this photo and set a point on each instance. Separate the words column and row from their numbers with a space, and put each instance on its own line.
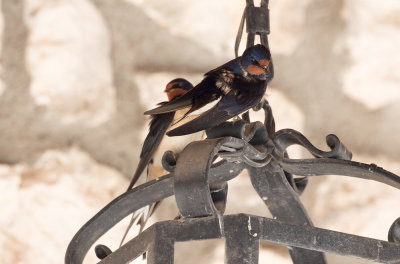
column 200, row 188
column 270, row 171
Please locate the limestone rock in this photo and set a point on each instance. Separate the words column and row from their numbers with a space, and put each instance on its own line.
column 68, row 57
column 44, row 205
column 373, row 42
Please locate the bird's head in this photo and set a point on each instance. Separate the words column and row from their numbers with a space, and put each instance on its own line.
column 256, row 61
column 177, row 87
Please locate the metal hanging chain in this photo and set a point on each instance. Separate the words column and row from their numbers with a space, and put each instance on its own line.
column 257, row 23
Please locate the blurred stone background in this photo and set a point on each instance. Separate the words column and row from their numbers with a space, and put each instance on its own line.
column 76, row 76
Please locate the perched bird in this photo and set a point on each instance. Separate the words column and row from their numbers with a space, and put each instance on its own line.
column 156, row 144
column 230, row 89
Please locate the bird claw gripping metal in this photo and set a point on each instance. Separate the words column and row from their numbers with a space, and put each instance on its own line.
column 229, row 149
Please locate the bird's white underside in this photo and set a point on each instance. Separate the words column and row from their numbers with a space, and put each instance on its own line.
column 175, row 144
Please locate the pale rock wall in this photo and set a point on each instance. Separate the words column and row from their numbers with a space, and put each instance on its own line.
column 77, row 75
column 69, row 59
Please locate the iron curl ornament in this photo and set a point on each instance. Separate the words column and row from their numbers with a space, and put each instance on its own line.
column 241, row 145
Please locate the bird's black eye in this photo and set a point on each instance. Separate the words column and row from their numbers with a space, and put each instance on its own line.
column 254, row 61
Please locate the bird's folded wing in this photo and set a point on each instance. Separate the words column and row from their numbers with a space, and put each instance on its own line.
column 179, row 103
column 228, row 107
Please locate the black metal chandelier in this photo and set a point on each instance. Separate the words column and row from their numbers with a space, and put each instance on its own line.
column 262, row 151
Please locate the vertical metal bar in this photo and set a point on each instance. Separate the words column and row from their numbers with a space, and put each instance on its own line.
column 239, row 34
column 284, row 204
column 161, row 251
column 264, row 40
column 241, row 240
column 250, row 40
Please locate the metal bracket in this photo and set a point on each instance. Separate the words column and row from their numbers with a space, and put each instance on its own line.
column 257, row 23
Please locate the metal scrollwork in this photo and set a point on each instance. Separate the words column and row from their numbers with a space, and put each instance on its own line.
column 197, row 174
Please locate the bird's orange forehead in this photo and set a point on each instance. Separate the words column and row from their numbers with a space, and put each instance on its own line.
column 170, row 85
column 264, row 63
column 254, row 70
column 175, row 92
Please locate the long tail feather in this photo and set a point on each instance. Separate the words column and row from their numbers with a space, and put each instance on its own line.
column 140, row 168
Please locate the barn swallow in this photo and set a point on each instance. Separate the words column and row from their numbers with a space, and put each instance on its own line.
column 159, row 125
column 156, row 144
column 233, row 88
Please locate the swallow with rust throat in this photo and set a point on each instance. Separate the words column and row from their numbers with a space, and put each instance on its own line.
column 156, row 144
column 230, row 89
